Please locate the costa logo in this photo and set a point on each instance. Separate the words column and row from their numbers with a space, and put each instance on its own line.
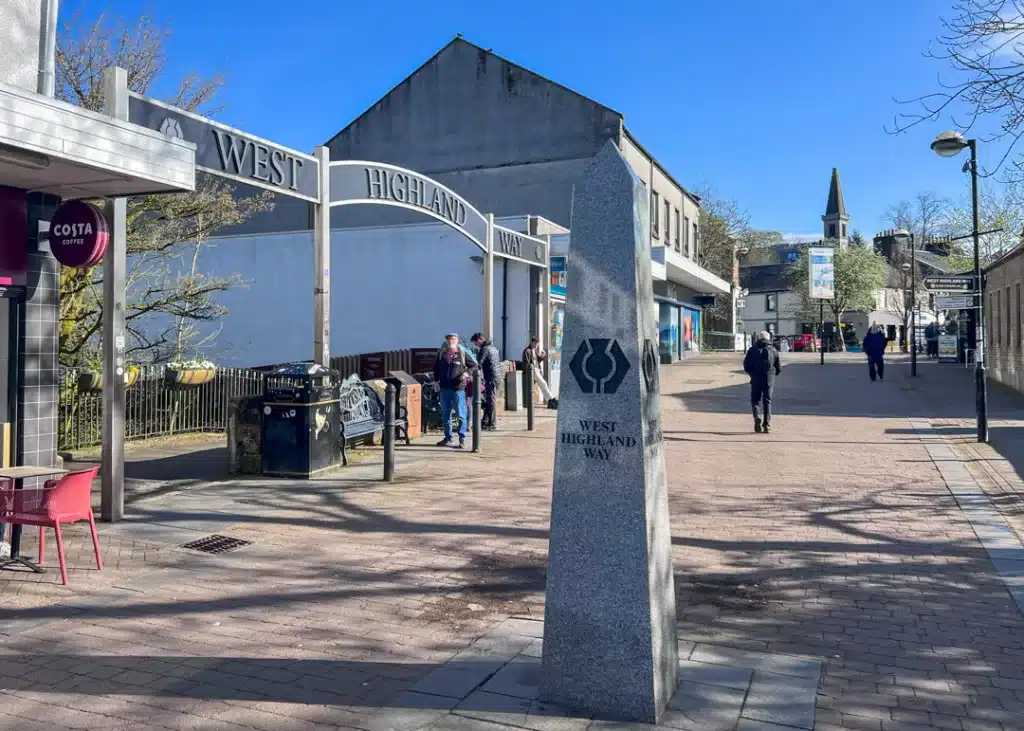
column 78, row 234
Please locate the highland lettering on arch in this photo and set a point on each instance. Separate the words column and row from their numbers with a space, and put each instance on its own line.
column 355, row 182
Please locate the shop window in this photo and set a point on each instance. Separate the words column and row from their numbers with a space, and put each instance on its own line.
column 655, row 208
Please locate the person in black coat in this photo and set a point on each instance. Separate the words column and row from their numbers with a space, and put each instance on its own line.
column 875, row 343
column 491, row 373
column 762, row 364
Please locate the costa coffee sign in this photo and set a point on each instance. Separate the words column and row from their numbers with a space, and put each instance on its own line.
column 78, row 234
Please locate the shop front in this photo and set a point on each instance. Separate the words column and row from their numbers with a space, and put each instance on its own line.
column 557, row 310
column 679, row 322
column 52, row 153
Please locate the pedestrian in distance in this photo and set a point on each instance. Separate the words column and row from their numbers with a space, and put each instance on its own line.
column 534, row 355
column 491, row 373
column 451, row 369
column 762, row 363
column 875, row 343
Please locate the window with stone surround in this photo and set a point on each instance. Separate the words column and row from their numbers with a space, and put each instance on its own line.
column 1020, row 313
column 1009, row 320
column 655, row 213
column 668, row 223
column 995, row 310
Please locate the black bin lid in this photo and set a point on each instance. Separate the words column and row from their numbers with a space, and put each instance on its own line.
column 300, row 369
column 401, row 378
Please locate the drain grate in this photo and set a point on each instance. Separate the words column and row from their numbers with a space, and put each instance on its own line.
column 217, row 544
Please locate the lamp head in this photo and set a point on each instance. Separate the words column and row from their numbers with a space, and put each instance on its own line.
column 949, row 143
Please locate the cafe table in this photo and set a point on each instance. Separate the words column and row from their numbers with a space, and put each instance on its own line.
column 18, row 475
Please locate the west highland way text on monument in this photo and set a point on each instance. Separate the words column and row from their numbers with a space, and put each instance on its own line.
column 598, row 439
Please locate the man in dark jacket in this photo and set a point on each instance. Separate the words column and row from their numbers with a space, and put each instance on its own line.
column 451, row 371
column 875, row 343
column 491, row 373
column 762, row 364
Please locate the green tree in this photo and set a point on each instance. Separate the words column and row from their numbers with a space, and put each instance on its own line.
column 166, row 296
column 859, row 277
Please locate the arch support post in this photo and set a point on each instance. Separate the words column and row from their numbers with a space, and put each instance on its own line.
column 322, row 262
column 488, row 323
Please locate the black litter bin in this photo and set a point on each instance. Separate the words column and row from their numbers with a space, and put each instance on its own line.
column 301, row 421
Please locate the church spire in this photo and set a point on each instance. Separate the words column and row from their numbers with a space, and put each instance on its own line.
column 835, row 219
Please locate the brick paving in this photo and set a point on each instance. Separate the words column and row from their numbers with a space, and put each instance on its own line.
column 834, row 537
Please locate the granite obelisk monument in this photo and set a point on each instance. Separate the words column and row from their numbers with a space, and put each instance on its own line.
column 610, row 618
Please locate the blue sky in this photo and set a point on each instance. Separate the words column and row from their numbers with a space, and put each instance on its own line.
column 759, row 100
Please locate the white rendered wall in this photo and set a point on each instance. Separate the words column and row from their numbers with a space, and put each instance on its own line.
column 391, row 288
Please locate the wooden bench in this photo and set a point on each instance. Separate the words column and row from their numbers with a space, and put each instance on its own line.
column 362, row 414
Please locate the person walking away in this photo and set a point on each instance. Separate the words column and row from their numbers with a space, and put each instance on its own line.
column 875, row 343
column 534, row 355
column 450, row 371
column 491, row 373
column 931, row 336
column 762, row 363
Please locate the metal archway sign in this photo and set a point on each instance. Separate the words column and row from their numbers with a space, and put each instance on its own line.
column 361, row 181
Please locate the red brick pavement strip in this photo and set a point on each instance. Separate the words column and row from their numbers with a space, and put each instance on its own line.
column 833, row 537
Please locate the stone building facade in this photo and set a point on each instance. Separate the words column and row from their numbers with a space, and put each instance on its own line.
column 1004, row 312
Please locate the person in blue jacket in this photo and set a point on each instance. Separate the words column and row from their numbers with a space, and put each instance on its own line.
column 875, row 343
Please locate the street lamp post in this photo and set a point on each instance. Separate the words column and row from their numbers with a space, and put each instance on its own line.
column 950, row 144
column 911, row 268
column 908, row 268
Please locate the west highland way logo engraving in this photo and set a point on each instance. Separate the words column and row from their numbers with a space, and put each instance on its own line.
column 599, row 365
column 650, row 366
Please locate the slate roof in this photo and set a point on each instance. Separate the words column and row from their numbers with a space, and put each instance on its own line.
column 835, row 205
column 765, row 277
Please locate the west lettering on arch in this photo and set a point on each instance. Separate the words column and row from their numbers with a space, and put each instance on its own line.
column 247, row 158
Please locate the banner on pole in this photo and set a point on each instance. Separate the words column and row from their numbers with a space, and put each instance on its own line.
column 821, row 273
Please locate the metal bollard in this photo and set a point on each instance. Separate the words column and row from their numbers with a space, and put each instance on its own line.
column 477, row 416
column 390, row 397
column 528, row 394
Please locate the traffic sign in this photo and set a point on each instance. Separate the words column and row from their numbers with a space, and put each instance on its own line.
column 959, row 283
column 955, row 302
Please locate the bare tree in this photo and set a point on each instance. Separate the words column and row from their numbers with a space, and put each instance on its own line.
column 981, row 44
column 724, row 230
column 903, row 288
column 925, row 215
column 165, row 232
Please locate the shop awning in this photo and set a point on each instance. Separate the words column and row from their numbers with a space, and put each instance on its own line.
column 688, row 272
column 53, row 147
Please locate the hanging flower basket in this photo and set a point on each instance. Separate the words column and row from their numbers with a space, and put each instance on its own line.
column 190, row 373
column 90, row 382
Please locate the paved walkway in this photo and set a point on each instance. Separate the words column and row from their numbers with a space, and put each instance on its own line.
column 835, row 539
